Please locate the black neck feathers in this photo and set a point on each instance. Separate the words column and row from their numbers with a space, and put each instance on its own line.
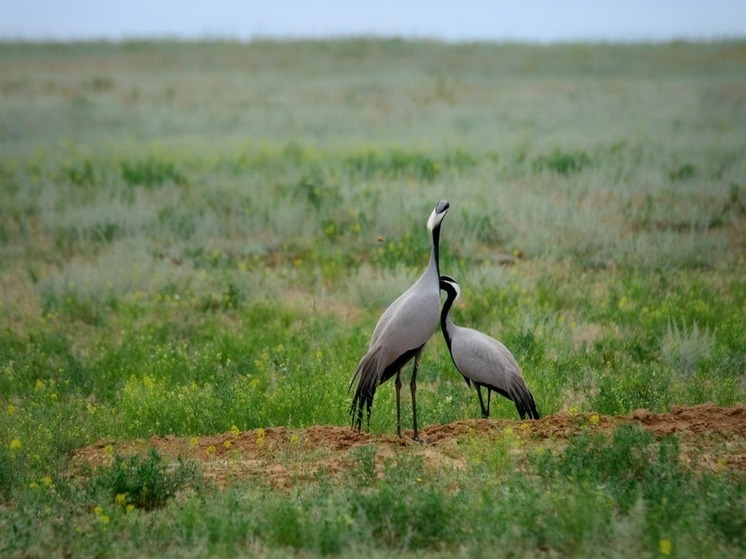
column 450, row 298
column 436, row 248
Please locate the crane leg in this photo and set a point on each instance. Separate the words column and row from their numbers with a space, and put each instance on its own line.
column 413, row 389
column 397, row 384
column 489, row 395
column 485, row 411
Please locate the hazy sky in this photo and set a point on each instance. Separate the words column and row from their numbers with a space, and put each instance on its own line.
column 462, row 20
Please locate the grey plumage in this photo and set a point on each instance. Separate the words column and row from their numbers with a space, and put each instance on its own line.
column 401, row 334
column 483, row 360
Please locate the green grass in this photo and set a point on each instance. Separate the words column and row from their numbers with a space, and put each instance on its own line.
column 614, row 495
column 197, row 236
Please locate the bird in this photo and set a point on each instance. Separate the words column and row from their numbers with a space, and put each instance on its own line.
column 401, row 334
column 483, row 360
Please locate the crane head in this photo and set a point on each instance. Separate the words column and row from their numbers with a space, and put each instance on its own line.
column 449, row 285
column 438, row 214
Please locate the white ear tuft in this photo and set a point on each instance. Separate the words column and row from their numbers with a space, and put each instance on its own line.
column 433, row 221
column 458, row 291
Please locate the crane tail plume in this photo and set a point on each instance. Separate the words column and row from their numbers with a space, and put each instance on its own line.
column 523, row 400
column 367, row 374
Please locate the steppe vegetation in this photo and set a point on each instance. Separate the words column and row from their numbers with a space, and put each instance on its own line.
column 198, row 238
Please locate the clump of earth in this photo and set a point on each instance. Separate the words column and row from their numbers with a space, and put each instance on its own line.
column 711, row 438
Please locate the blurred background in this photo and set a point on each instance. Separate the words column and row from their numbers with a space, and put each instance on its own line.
column 205, row 207
column 469, row 20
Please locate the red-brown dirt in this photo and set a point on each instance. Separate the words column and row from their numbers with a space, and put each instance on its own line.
column 711, row 438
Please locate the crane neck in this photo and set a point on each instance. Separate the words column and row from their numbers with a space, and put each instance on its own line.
column 446, row 323
column 435, row 255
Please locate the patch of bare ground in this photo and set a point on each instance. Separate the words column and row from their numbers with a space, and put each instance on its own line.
column 711, row 438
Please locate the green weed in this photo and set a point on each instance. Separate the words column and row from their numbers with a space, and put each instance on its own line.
column 364, row 464
column 395, row 164
column 146, row 483
column 150, row 172
column 563, row 163
column 84, row 173
column 11, row 469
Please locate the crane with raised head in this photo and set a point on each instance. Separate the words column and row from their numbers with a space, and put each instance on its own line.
column 400, row 335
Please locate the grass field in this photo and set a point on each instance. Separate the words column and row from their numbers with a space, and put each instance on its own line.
column 198, row 238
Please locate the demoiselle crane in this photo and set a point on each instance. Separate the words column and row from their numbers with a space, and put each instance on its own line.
column 483, row 360
column 401, row 334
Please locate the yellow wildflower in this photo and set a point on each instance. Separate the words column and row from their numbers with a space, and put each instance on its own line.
column 15, row 444
column 665, row 546
column 120, row 499
column 47, row 481
column 594, row 419
column 11, row 409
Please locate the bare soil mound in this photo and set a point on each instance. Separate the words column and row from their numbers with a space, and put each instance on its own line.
column 711, row 437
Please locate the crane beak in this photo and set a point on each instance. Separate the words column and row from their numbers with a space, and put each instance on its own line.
column 438, row 214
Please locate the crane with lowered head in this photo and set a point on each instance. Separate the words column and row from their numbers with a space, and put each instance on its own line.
column 483, row 360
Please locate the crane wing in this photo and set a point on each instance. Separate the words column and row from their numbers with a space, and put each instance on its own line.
column 488, row 362
column 483, row 359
